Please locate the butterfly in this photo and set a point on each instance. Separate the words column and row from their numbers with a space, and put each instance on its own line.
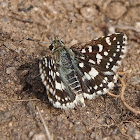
column 82, row 71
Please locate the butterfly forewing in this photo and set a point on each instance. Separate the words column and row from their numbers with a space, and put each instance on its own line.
column 103, row 52
column 88, row 70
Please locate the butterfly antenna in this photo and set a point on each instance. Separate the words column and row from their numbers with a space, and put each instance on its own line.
column 30, row 39
column 70, row 22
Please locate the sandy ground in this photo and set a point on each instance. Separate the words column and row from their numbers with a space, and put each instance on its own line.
column 21, row 89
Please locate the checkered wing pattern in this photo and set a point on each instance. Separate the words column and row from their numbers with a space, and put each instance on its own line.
column 98, row 61
column 59, row 94
column 83, row 71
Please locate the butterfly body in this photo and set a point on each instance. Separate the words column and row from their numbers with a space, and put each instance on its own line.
column 64, row 59
column 72, row 74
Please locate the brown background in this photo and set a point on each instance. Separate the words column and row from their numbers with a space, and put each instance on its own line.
column 103, row 118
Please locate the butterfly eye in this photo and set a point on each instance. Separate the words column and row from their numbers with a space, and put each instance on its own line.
column 51, row 47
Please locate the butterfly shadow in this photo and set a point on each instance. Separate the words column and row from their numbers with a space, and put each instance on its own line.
column 32, row 86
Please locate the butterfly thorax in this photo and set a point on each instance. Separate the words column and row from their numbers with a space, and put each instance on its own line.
column 61, row 54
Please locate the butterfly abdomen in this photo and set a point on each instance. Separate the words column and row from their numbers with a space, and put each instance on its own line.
column 73, row 81
column 67, row 70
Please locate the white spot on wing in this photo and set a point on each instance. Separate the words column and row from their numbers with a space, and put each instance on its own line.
column 99, row 57
column 40, row 68
column 100, row 47
column 45, row 83
column 101, row 85
column 47, row 87
column 87, row 76
column 83, row 51
column 118, row 42
column 51, row 90
column 107, row 65
column 117, row 50
column 58, row 85
column 93, row 72
column 82, row 57
column 114, row 54
column 115, row 78
column 62, row 85
column 80, row 99
column 89, row 96
column 122, row 56
column 90, row 48
column 115, row 68
column 106, row 78
column 114, row 38
column 119, row 62
column 108, row 73
column 57, row 104
column 42, row 77
column 99, row 92
column 81, row 65
column 91, row 61
column 95, row 87
column 57, row 73
column 118, row 46
column 104, row 81
column 108, row 40
column 124, row 50
column 110, row 59
column 52, row 73
column 105, row 90
column 110, row 85
column 105, row 53
column 46, row 62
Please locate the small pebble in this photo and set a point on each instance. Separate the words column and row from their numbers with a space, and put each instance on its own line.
column 10, row 70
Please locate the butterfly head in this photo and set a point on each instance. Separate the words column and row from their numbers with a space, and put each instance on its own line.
column 56, row 45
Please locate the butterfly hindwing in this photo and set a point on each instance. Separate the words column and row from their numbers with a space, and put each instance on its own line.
column 59, row 94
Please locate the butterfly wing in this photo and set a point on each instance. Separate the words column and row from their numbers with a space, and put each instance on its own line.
column 97, row 63
column 59, row 94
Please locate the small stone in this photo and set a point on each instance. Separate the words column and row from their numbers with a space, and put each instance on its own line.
column 2, row 53
column 10, row 124
column 10, row 70
column 5, row 116
column 131, row 131
column 106, row 138
column 92, row 136
column 89, row 13
column 111, row 29
column 134, row 2
column 137, row 25
column 79, row 136
column 80, row 128
column 115, row 10
column 135, row 80
column 137, row 135
column 31, row 133
column 39, row 136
